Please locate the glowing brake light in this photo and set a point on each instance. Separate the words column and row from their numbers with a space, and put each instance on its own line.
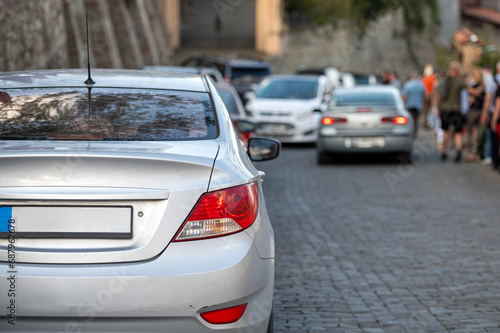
column 327, row 121
column 399, row 120
column 331, row 120
column 225, row 316
column 221, row 213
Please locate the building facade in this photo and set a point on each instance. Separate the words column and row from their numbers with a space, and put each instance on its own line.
column 226, row 24
column 483, row 18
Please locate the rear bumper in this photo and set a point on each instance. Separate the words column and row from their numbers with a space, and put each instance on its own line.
column 166, row 294
column 393, row 144
column 306, row 131
column 307, row 136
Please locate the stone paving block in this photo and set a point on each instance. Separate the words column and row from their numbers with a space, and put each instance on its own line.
column 352, row 253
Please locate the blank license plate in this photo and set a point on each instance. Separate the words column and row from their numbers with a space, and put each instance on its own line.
column 274, row 128
column 66, row 221
column 365, row 142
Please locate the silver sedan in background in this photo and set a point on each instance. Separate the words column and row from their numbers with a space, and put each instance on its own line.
column 365, row 119
column 128, row 204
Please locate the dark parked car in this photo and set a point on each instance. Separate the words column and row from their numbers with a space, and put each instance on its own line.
column 212, row 72
column 244, row 74
column 234, row 106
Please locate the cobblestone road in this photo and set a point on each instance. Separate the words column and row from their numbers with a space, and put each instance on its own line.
column 382, row 247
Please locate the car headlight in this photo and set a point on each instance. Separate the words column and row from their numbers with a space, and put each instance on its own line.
column 306, row 114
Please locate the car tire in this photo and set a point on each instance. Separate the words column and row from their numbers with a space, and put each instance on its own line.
column 270, row 327
column 323, row 158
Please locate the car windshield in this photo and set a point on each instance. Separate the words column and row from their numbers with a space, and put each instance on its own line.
column 288, row 89
column 229, row 101
column 362, row 79
column 105, row 114
column 364, row 99
column 241, row 75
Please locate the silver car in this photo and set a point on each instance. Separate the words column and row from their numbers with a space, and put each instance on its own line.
column 212, row 72
column 129, row 205
column 365, row 119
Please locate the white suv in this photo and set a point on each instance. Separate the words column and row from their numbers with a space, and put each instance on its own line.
column 288, row 107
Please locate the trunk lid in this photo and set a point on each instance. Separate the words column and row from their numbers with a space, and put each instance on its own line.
column 365, row 120
column 80, row 202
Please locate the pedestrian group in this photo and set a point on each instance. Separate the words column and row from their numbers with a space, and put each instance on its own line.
column 462, row 107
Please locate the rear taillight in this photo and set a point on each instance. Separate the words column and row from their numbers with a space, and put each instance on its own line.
column 225, row 316
column 227, row 79
column 399, row 120
column 333, row 120
column 221, row 213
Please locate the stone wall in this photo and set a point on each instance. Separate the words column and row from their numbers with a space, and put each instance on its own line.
column 383, row 47
column 33, row 35
column 51, row 34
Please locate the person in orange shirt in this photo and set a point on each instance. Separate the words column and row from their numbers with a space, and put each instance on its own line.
column 429, row 80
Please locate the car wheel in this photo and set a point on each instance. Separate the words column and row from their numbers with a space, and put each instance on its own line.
column 270, row 327
column 323, row 158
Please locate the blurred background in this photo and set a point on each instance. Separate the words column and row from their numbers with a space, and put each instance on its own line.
column 353, row 35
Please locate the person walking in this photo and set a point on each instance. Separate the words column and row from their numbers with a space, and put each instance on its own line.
column 413, row 96
column 493, row 117
column 474, row 114
column 394, row 81
column 495, row 130
column 484, row 138
column 448, row 98
column 429, row 80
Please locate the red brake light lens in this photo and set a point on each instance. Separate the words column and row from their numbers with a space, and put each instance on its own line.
column 364, row 109
column 332, row 120
column 225, row 316
column 327, row 121
column 222, row 213
column 399, row 120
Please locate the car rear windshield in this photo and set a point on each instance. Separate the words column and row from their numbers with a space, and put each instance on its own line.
column 240, row 75
column 105, row 114
column 364, row 99
column 288, row 89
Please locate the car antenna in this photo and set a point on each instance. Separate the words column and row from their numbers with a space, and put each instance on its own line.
column 89, row 79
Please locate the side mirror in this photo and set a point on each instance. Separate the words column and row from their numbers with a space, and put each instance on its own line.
column 263, row 149
column 245, row 126
column 248, row 95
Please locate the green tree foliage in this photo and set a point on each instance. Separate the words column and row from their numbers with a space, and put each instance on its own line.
column 319, row 11
column 417, row 14
column 489, row 58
